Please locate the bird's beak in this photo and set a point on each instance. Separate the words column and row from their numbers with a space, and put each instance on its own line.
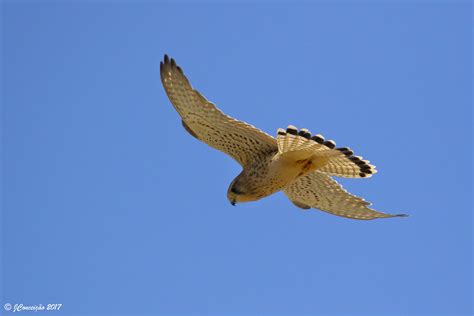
column 233, row 203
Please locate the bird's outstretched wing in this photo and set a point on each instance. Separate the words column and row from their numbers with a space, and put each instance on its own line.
column 318, row 190
column 206, row 122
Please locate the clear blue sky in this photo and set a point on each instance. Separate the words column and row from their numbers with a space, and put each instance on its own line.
column 109, row 206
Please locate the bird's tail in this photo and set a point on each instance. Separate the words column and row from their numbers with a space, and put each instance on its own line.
column 301, row 145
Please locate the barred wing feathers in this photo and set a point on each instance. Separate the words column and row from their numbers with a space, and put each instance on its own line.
column 206, row 122
column 318, row 190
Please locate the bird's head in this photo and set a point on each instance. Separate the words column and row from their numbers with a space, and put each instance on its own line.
column 238, row 191
column 234, row 192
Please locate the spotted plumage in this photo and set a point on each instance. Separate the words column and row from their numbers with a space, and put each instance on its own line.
column 296, row 162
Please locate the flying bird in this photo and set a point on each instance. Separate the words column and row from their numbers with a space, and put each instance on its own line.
column 295, row 162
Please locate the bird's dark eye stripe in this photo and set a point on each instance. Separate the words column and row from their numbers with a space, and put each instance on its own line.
column 234, row 190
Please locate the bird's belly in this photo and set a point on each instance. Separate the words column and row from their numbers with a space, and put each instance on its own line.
column 274, row 175
column 278, row 177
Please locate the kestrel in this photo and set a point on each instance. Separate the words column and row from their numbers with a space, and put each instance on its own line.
column 295, row 162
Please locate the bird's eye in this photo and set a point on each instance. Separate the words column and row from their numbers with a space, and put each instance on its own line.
column 234, row 190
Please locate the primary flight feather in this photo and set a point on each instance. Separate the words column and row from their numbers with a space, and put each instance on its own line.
column 295, row 162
